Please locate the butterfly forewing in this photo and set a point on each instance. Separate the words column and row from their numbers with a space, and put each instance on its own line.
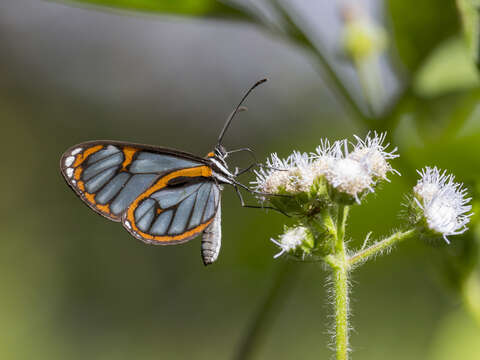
column 160, row 195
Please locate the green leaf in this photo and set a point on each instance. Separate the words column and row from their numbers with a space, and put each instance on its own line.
column 442, row 131
column 419, row 26
column 470, row 15
column 209, row 8
column 448, row 68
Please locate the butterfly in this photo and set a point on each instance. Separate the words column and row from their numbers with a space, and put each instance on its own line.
column 160, row 195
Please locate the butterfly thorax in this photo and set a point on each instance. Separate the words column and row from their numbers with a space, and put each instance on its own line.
column 219, row 166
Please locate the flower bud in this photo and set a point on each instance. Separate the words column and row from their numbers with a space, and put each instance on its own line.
column 297, row 241
column 362, row 38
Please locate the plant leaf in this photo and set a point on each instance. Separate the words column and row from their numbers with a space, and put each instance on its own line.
column 447, row 69
column 447, row 133
column 419, row 26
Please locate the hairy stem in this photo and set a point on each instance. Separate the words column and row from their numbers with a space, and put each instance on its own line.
column 380, row 246
column 340, row 281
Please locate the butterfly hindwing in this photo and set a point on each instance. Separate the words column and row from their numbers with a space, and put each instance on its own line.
column 173, row 214
column 125, row 182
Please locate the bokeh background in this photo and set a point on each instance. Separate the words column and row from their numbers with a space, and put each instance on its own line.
column 75, row 286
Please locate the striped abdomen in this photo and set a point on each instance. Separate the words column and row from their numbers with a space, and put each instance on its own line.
column 212, row 239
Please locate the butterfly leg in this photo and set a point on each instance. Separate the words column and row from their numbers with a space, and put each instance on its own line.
column 242, row 202
column 242, row 171
column 250, row 151
column 255, row 163
column 257, row 192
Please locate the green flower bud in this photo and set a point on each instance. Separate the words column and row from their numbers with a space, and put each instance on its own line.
column 362, row 38
column 297, row 241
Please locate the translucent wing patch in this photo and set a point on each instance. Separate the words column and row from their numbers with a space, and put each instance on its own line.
column 109, row 176
column 170, row 215
column 147, row 162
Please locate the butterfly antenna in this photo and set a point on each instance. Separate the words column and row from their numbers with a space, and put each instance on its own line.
column 237, row 110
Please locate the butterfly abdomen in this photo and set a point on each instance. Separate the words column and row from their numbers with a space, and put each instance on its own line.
column 212, row 239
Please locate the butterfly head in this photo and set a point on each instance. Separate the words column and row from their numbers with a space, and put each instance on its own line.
column 217, row 159
column 221, row 152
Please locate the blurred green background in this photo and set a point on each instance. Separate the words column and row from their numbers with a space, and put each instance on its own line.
column 76, row 286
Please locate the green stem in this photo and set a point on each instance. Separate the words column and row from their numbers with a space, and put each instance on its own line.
column 340, row 280
column 370, row 81
column 380, row 246
column 340, row 284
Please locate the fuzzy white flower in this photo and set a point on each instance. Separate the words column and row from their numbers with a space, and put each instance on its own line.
column 373, row 153
column 431, row 182
column 443, row 202
column 325, row 156
column 350, row 176
column 292, row 174
column 353, row 173
column 346, row 174
column 301, row 176
column 273, row 176
column 325, row 149
column 291, row 240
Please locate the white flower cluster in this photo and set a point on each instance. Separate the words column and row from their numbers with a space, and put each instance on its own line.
column 291, row 240
column 351, row 172
column 443, row 202
column 293, row 174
